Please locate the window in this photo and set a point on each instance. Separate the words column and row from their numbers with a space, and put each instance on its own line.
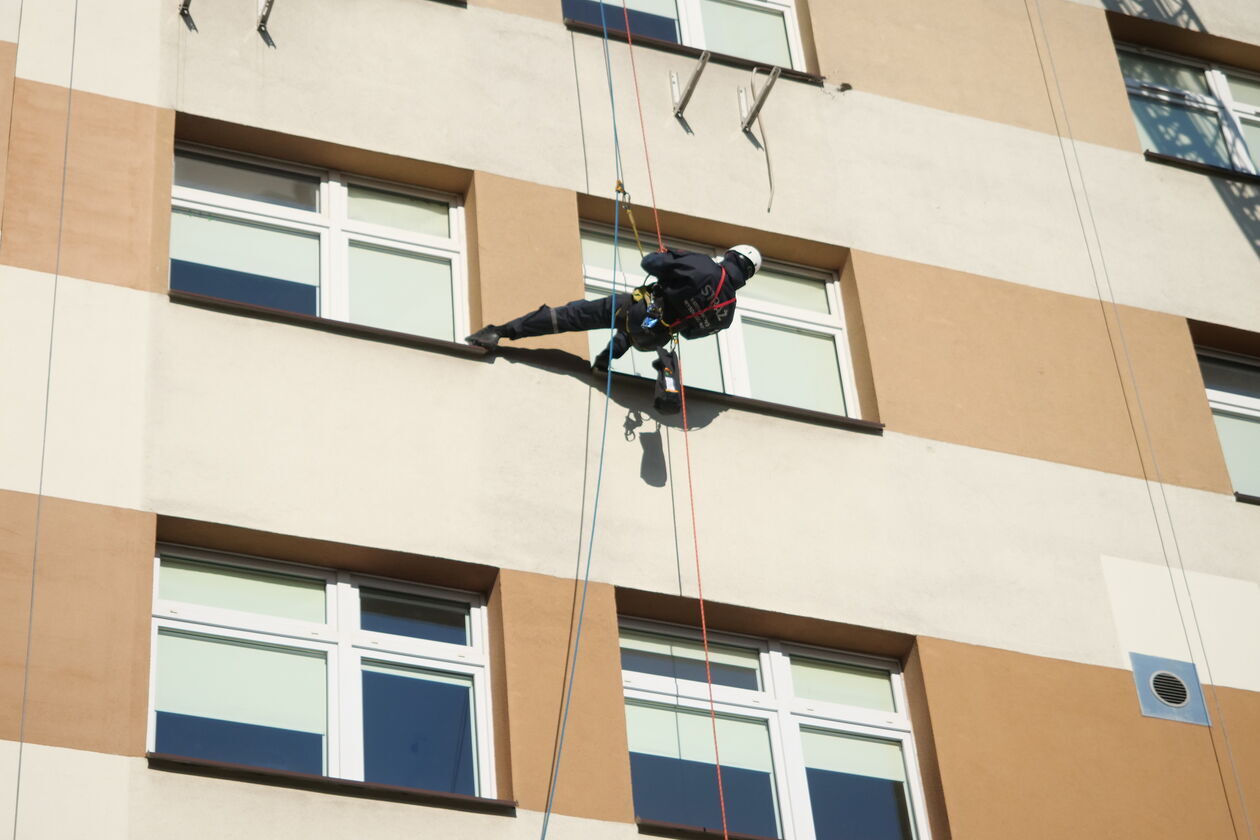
column 1192, row 110
column 318, row 243
column 814, row 745
column 1233, row 392
column 320, row 672
column 787, row 343
column 764, row 31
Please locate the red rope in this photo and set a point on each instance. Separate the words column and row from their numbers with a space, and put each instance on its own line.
column 625, row 11
column 704, row 625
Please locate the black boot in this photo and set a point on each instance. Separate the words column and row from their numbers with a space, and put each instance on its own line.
column 487, row 337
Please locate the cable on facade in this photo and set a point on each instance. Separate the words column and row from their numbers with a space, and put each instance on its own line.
column 1140, row 408
column 48, row 377
column 647, row 158
column 571, row 675
column 682, row 389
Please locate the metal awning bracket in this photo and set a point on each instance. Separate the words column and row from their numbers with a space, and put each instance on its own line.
column 749, row 115
column 681, row 98
column 184, row 8
column 265, row 15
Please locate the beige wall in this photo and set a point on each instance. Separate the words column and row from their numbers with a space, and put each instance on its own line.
column 89, row 648
column 8, row 66
column 115, row 225
column 1042, row 749
column 1001, row 366
column 979, row 58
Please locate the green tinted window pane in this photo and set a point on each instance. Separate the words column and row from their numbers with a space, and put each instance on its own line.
column 244, row 181
column 241, row 682
column 1246, row 91
column 749, row 32
column 684, row 659
column 788, row 290
column 1240, row 440
column 419, row 618
column 1168, row 74
column 849, row 685
column 597, row 252
column 686, row 734
column 418, row 215
column 856, row 781
column 700, row 359
column 1231, row 377
column 1176, row 130
column 245, row 247
column 793, row 367
column 231, row 588
column 854, row 755
column 1251, row 136
column 402, row 292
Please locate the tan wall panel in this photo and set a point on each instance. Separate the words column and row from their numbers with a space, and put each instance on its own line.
column 118, row 180
column 1000, row 366
column 977, row 57
column 89, row 650
column 537, row 614
column 8, row 67
column 1042, row 749
column 529, row 252
column 544, row 9
column 1236, row 713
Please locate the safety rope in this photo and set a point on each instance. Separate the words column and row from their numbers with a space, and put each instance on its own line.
column 571, row 676
column 48, row 378
column 634, row 72
column 660, row 241
column 1136, row 403
column 704, row 624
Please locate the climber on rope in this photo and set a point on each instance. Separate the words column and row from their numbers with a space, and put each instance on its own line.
column 693, row 296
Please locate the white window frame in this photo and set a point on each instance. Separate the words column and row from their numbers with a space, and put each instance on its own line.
column 1229, row 112
column 335, row 229
column 731, row 350
column 344, row 645
column 1239, row 406
column 786, row 715
column 691, row 25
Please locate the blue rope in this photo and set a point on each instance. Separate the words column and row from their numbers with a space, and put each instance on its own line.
column 599, row 473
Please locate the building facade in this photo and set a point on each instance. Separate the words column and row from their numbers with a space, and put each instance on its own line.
column 975, row 473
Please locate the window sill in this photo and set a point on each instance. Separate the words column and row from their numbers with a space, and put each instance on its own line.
column 325, row 324
column 1202, row 168
column 689, row 832
column 693, row 52
column 1246, row 498
column 324, row 784
column 790, row 412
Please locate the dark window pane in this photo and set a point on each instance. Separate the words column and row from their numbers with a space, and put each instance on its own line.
column 641, row 23
column 244, row 287
column 418, row 730
column 685, row 792
column 852, row 807
column 419, row 618
column 664, row 665
column 240, row 743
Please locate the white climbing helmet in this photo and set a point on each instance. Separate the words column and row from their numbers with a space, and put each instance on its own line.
column 749, row 253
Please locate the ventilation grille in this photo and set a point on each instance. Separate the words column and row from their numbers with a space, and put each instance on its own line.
column 1169, row 689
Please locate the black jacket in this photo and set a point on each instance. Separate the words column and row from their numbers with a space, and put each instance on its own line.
column 688, row 284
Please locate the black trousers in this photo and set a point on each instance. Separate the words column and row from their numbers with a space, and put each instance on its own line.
column 575, row 316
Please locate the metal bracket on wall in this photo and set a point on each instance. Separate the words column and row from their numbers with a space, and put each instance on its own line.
column 681, row 99
column 264, row 15
column 749, row 115
column 183, row 8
